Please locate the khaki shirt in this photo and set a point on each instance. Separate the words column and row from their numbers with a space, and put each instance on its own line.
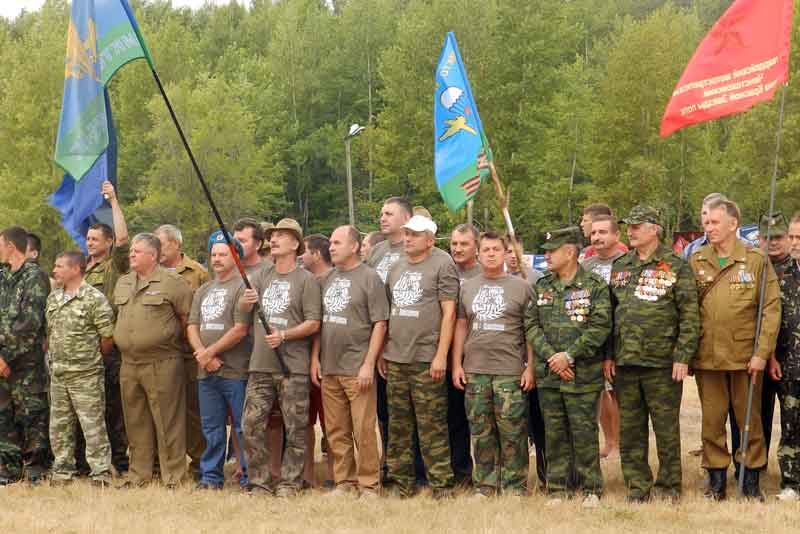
column 149, row 315
column 103, row 276
column 192, row 272
column 728, row 308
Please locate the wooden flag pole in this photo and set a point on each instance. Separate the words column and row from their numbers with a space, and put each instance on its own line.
column 502, row 202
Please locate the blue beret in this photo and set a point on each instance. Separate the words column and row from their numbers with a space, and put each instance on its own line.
column 218, row 237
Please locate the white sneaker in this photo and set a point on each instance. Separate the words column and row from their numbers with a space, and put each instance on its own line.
column 591, row 501
column 788, row 494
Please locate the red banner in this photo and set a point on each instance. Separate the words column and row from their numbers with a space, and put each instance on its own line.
column 742, row 61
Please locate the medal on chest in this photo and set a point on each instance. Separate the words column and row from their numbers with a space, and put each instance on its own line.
column 654, row 283
column 620, row 279
column 545, row 299
column 742, row 279
column 577, row 304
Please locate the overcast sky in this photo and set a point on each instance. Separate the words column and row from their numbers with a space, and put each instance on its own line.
column 12, row 8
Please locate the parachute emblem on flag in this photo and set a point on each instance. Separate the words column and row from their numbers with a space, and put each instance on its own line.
column 81, row 55
column 451, row 99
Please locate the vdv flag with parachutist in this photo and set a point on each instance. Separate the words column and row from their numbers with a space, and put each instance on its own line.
column 102, row 36
column 458, row 133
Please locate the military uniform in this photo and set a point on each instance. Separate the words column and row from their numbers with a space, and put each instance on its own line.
column 103, row 276
column 75, row 325
column 572, row 317
column 23, row 395
column 196, row 275
column 787, row 353
column 656, row 324
column 729, row 289
column 150, row 335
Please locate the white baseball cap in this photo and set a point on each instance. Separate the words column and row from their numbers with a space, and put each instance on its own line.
column 419, row 223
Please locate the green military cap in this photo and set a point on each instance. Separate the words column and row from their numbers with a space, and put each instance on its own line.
column 777, row 225
column 571, row 235
column 643, row 214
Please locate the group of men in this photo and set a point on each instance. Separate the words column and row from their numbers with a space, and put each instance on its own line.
column 460, row 359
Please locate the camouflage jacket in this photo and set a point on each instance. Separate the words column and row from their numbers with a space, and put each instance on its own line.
column 75, row 325
column 656, row 318
column 23, row 295
column 104, row 275
column 787, row 350
column 572, row 317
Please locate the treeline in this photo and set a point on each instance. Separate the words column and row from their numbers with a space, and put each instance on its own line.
column 571, row 94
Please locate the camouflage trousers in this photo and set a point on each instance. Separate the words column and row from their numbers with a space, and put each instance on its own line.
column 497, row 413
column 413, row 396
column 573, row 448
column 293, row 395
column 24, row 412
column 789, row 448
column 79, row 399
column 115, row 420
column 648, row 394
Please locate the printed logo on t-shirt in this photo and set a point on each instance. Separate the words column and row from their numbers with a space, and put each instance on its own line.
column 337, row 296
column 276, row 297
column 489, row 304
column 407, row 291
column 213, row 304
column 604, row 270
column 385, row 264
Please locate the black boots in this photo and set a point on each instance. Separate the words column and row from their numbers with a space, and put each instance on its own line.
column 717, row 484
column 751, row 489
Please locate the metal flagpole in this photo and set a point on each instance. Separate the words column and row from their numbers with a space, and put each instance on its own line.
column 259, row 309
column 761, row 295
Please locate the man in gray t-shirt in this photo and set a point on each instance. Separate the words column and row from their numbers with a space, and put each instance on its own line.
column 606, row 244
column 494, row 363
column 423, row 290
column 355, row 311
column 218, row 333
column 291, row 300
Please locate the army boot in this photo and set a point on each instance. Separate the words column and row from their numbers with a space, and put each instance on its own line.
column 751, row 489
column 717, row 484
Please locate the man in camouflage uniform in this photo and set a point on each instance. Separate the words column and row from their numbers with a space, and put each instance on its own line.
column 656, row 329
column 108, row 259
column 173, row 259
column 423, row 290
column 80, row 324
column 23, row 381
column 785, row 367
column 568, row 323
column 494, row 365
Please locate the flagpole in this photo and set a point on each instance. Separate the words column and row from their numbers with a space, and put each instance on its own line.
column 259, row 309
column 761, row 295
column 502, row 202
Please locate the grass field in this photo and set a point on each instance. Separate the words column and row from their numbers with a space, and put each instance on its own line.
column 80, row 508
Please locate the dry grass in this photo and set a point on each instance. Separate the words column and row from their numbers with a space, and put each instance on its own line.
column 82, row 509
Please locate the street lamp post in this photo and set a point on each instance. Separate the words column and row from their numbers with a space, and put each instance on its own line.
column 355, row 130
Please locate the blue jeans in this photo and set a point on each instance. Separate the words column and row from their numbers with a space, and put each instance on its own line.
column 217, row 394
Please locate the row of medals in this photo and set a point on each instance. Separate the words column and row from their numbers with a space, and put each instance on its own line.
column 654, row 284
column 578, row 306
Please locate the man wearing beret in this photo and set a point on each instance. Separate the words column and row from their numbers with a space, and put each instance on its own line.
column 568, row 323
column 656, row 330
column 729, row 278
column 218, row 333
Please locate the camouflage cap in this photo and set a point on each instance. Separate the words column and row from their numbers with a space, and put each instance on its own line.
column 571, row 235
column 292, row 226
column 643, row 214
column 777, row 225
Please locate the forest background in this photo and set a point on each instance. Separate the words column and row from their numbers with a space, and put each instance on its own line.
column 571, row 95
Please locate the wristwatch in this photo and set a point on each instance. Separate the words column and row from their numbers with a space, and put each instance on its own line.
column 570, row 359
